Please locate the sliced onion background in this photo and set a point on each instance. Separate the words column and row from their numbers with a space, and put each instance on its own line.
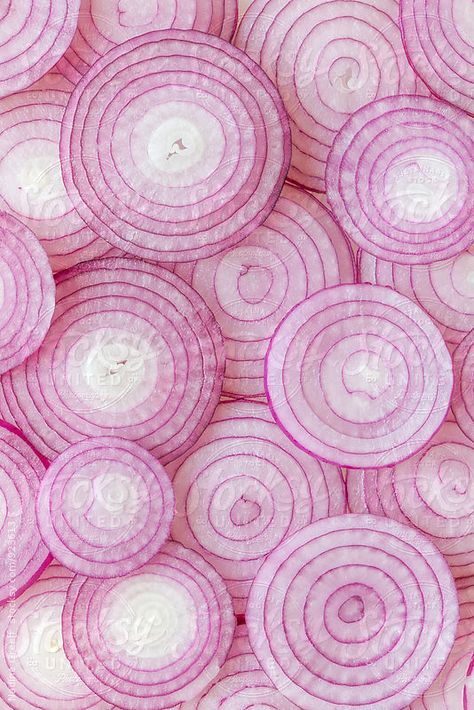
column 463, row 395
column 358, row 375
column 400, row 180
column 153, row 638
column 175, row 146
column 243, row 489
column 132, row 351
column 327, row 59
column 439, row 42
column 105, row 507
column 353, row 611
column 299, row 250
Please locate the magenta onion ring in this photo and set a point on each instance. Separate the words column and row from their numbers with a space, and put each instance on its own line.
column 354, row 610
column 463, row 395
column 174, row 146
column 299, row 250
column 132, row 351
column 243, row 489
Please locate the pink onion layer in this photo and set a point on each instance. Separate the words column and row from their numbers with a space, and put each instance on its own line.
column 243, row 489
column 133, row 351
column 353, row 611
column 153, row 638
column 400, row 180
column 359, row 375
column 105, row 507
column 299, row 250
column 175, row 146
column 463, row 395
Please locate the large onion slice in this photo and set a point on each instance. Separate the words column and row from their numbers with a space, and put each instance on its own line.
column 153, row 638
column 327, row 58
column 353, row 611
column 433, row 491
column 400, row 180
column 359, row 375
column 243, row 489
column 132, row 351
column 175, row 146
column 439, row 41
column 299, row 250
column 105, row 507
column 463, row 395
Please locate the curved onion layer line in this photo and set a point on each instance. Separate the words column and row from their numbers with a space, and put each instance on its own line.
column 174, row 146
column 299, row 250
column 327, row 59
column 243, row 489
column 105, row 507
column 151, row 639
column 400, row 180
column 354, row 610
column 133, row 351
column 463, row 395
column 358, row 375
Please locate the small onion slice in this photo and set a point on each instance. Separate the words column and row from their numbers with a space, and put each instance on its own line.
column 105, row 507
column 359, row 375
column 243, row 489
column 153, row 638
column 463, row 395
column 353, row 611
column 400, row 179
column 299, row 250
column 133, row 351
column 175, row 146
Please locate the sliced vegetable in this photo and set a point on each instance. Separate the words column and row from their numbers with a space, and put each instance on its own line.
column 353, row 611
column 463, row 395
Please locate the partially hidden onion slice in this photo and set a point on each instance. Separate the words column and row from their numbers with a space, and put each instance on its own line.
column 439, row 42
column 105, row 507
column 243, row 489
column 463, row 395
column 327, row 59
column 432, row 491
column 151, row 639
column 26, row 292
column 400, row 179
column 174, row 146
column 353, row 611
column 359, row 375
column 299, row 250
column 103, row 24
column 34, row 671
column 133, row 351
column 34, row 34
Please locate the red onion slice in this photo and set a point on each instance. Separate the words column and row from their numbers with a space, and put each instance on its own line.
column 243, row 489
column 133, row 351
column 175, row 146
column 463, row 395
column 105, row 507
column 438, row 40
column 358, row 375
column 154, row 638
column 353, row 611
column 327, row 59
column 299, row 250
column 400, row 181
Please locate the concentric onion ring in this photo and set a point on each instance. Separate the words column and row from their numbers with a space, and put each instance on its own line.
column 154, row 638
column 356, row 374
column 327, row 58
column 401, row 182
column 175, row 146
column 299, row 250
column 105, row 507
column 354, row 610
column 243, row 489
column 133, row 351
column 463, row 395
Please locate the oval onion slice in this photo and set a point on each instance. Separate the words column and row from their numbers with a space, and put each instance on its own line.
column 153, row 638
column 133, row 351
column 174, row 146
column 243, row 489
column 354, row 610
column 463, row 395
column 359, row 375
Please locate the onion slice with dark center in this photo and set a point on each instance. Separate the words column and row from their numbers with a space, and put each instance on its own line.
column 463, row 395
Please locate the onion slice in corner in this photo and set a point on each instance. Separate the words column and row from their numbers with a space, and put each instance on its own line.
column 463, row 395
